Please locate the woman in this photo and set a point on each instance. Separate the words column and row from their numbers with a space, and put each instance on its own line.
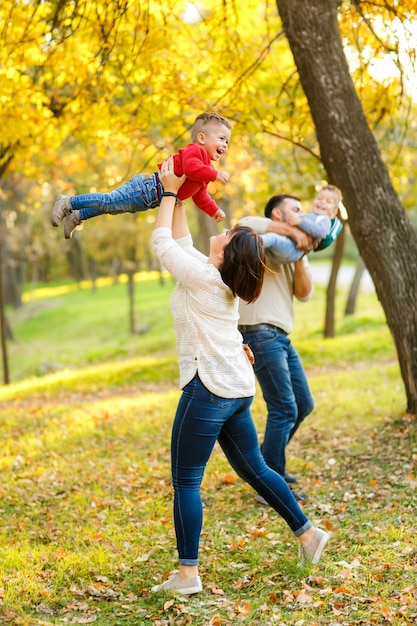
column 216, row 377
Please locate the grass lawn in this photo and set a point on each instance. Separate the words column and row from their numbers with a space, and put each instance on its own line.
column 86, row 523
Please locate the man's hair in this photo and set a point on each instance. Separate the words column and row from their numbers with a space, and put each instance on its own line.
column 275, row 201
column 243, row 266
column 207, row 118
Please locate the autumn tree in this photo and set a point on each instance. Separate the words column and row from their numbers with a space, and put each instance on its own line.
column 385, row 238
column 107, row 88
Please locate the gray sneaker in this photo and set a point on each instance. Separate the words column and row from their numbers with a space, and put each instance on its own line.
column 175, row 584
column 72, row 221
column 313, row 551
column 61, row 208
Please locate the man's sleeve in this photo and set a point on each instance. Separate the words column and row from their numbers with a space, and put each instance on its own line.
column 259, row 224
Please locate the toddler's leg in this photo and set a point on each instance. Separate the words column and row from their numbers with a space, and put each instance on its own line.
column 140, row 193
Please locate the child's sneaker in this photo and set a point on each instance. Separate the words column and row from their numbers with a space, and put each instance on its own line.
column 73, row 220
column 61, row 208
column 176, row 584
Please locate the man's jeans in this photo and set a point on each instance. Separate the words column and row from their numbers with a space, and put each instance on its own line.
column 140, row 193
column 201, row 419
column 285, row 389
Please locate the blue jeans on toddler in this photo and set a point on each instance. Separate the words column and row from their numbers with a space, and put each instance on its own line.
column 284, row 249
column 201, row 419
column 140, row 193
column 285, row 389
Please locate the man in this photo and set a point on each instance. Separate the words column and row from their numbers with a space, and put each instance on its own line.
column 265, row 326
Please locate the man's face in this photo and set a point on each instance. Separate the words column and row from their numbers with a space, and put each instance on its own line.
column 288, row 205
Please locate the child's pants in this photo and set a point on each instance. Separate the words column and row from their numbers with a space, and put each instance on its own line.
column 140, row 193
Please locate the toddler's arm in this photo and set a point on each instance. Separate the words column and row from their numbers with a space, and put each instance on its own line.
column 219, row 215
column 317, row 226
column 222, row 177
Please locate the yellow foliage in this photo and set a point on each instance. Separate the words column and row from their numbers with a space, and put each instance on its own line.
column 101, row 85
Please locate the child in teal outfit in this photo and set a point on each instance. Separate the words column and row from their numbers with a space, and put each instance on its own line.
column 321, row 224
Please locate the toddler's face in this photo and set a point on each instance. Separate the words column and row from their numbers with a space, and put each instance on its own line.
column 326, row 203
column 216, row 140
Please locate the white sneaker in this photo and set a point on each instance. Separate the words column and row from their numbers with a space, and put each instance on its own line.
column 178, row 585
column 313, row 551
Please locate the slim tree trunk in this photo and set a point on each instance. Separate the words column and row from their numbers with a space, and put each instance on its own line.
column 3, row 322
column 131, row 296
column 339, row 246
column 378, row 222
column 354, row 287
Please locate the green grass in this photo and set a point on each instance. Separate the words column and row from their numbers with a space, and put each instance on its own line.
column 72, row 328
column 86, row 523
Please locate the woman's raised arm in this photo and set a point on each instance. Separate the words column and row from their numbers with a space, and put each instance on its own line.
column 171, row 183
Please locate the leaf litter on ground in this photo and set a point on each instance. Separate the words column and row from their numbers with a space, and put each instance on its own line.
column 87, row 520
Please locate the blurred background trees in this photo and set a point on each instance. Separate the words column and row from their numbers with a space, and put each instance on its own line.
column 94, row 91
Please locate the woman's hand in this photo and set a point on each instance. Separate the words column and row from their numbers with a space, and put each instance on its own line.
column 170, row 181
column 171, row 184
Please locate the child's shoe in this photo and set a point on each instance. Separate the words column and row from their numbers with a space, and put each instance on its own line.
column 61, row 208
column 72, row 221
column 176, row 584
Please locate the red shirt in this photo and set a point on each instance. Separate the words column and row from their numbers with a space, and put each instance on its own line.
column 194, row 162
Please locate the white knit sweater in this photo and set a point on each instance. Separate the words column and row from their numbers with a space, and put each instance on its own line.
column 205, row 319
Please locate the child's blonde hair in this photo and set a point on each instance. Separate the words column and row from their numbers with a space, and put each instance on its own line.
column 207, row 118
column 334, row 190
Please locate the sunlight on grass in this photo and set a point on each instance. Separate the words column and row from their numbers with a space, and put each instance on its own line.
column 88, row 498
column 86, row 494
column 41, row 293
column 112, row 373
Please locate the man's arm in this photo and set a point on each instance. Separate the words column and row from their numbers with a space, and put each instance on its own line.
column 303, row 285
column 264, row 225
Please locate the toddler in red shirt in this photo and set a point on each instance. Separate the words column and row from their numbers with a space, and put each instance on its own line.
column 210, row 136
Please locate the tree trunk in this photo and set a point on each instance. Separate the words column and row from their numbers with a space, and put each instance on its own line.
column 3, row 322
column 131, row 296
column 379, row 225
column 93, row 272
column 339, row 246
column 354, row 288
column 206, row 228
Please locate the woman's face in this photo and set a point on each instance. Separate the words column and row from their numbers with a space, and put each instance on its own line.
column 219, row 242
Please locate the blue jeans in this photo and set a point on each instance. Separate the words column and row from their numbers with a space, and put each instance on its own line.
column 140, row 193
column 201, row 419
column 283, row 248
column 285, row 389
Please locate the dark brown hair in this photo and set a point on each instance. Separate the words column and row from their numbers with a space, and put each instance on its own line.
column 243, row 266
column 275, row 201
